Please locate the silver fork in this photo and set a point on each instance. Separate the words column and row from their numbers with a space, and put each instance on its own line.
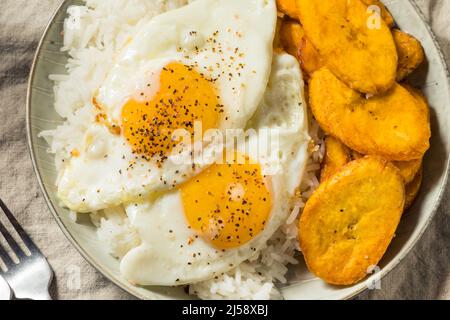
column 31, row 276
column 5, row 290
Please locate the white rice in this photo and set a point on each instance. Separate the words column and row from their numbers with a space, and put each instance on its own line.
column 92, row 33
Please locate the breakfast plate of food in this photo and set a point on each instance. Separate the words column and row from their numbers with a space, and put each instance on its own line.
column 229, row 149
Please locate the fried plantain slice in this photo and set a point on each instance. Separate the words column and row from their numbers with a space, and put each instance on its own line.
column 384, row 12
column 413, row 188
column 337, row 155
column 350, row 220
column 291, row 36
column 364, row 58
column 294, row 41
column 409, row 169
column 409, row 49
column 420, row 97
column 288, row 7
column 410, row 53
column 392, row 125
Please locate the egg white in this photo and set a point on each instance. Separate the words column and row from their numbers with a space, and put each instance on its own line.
column 164, row 256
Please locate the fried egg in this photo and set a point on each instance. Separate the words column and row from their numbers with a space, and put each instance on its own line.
column 208, row 62
column 226, row 214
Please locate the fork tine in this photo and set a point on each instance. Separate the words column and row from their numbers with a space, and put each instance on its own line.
column 5, row 258
column 23, row 235
column 12, row 243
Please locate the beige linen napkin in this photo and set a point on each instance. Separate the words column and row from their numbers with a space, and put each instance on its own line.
column 424, row 274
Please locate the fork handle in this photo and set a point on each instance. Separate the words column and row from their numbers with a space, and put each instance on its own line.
column 34, row 296
column 43, row 296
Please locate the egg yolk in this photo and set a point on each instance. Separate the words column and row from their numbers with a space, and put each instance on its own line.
column 228, row 204
column 184, row 96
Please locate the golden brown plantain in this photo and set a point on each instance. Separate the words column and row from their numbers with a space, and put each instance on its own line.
column 291, row 35
column 294, row 41
column 392, row 125
column 337, row 155
column 410, row 53
column 288, row 7
column 409, row 169
column 409, row 49
column 365, row 58
column 350, row 220
column 420, row 97
column 413, row 188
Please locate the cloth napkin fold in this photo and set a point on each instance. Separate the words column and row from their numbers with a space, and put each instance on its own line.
column 424, row 274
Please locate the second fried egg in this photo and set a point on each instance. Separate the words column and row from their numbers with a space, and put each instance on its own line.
column 226, row 214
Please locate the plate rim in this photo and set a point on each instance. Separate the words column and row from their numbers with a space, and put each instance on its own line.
column 92, row 261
